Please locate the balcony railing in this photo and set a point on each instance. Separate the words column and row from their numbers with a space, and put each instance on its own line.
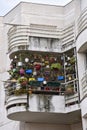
column 84, row 84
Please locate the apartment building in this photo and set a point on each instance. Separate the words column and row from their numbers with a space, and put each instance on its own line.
column 43, row 56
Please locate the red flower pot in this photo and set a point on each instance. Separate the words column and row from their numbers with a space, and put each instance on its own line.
column 37, row 67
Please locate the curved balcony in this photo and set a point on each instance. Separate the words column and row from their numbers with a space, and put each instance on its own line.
column 82, row 21
column 38, row 84
column 36, row 103
column 84, row 95
column 20, row 38
column 17, row 37
column 39, row 106
column 68, row 38
column 40, row 38
column 84, row 84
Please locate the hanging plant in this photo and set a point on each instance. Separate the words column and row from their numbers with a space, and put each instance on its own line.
column 20, row 91
column 72, row 60
column 22, row 79
column 56, row 66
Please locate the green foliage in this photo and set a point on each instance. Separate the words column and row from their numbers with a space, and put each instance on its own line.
column 22, row 79
column 20, row 91
column 56, row 66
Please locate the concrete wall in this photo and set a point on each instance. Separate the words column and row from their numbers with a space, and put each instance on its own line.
column 41, row 14
column 83, row 4
column 13, row 16
column 69, row 14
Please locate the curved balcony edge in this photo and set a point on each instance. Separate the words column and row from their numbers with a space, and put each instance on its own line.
column 39, row 105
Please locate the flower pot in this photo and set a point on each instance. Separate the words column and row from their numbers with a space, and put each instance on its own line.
column 37, row 67
column 69, row 90
column 28, row 71
column 44, row 83
column 60, row 77
column 24, row 83
column 47, row 73
column 21, row 71
column 31, row 79
column 51, row 60
column 46, row 62
column 19, row 64
column 40, row 79
column 34, row 73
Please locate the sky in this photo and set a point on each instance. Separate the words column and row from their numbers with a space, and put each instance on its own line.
column 7, row 5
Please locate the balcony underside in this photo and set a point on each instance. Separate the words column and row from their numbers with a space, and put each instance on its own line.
column 45, row 117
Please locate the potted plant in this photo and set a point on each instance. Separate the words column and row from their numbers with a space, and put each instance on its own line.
column 56, row 66
column 20, row 91
column 23, row 81
column 69, row 89
column 72, row 60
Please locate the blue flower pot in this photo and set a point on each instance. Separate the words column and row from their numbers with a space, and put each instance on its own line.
column 29, row 71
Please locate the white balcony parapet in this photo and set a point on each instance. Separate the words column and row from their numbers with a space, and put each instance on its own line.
column 82, row 21
column 72, row 108
column 27, row 36
column 39, row 105
column 84, row 84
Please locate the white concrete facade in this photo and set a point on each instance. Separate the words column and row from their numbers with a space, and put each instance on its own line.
column 20, row 27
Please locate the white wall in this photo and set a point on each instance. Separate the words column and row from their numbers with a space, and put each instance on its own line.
column 42, row 14
column 83, row 4
column 13, row 16
column 69, row 13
